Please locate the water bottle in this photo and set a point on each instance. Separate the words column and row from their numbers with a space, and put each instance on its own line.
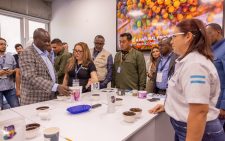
column 111, row 102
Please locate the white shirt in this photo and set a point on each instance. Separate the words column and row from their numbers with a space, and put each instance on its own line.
column 195, row 80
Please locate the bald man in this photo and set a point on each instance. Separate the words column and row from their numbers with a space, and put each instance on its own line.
column 38, row 82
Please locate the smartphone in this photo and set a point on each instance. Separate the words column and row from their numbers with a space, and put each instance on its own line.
column 5, row 68
column 153, row 99
column 96, row 105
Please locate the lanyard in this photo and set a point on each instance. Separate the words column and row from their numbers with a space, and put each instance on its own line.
column 3, row 62
column 123, row 57
column 77, row 70
column 163, row 66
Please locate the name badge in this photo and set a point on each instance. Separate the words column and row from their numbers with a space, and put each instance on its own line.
column 119, row 70
column 159, row 77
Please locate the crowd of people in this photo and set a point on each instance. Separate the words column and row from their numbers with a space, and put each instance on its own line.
column 188, row 67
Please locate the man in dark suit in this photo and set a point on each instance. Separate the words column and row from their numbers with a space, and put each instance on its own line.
column 164, row 66
column 38, row 81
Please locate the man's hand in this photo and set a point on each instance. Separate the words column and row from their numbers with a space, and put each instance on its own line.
column 222, row 114
column 3, row 72
column 10, row 72
column 63, row 90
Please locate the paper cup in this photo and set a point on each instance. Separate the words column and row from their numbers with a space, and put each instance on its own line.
column 43, row 112
column 135, row 92
column 51, row 134
column 76, row 93
column 142, row 94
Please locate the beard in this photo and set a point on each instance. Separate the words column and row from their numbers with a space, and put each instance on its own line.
column 3, row 50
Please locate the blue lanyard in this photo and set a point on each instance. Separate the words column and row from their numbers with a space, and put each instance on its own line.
column 3, row 62
column 77, row 70
column 162, row 66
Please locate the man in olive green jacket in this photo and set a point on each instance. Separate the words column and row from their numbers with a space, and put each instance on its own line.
column 129, row 70
column 61, row 59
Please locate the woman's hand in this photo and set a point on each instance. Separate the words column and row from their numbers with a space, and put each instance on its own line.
column 157, row 109
column 88, row 84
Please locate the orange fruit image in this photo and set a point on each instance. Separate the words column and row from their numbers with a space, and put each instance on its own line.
column 160, row 1
column 180, row 17
column 171, row 9
column 167, row 2
column 165, row 15
column 176, row 4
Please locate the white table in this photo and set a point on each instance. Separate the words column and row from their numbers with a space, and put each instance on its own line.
column 97, row 124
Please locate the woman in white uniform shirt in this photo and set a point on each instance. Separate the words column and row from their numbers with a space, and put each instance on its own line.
column 194, row 88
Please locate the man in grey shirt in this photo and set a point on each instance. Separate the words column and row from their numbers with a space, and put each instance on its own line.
column 7, row 69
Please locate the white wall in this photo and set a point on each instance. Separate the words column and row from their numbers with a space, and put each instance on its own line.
column 81, row 20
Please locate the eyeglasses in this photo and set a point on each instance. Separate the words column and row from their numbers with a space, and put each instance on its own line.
column 1, row 44
column 78, row 51
column 175, row 34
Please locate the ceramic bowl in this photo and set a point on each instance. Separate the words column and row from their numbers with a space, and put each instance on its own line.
column 95, row 97
column 119, row 101
column 138, row 111
column 129, row 116
column 32, row 130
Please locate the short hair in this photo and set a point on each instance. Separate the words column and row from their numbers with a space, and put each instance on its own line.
column 99, row 36
column 166, row 40
column 64, row 43
column 56, row 41
column 18, row 45
column 128, row 35
column 2, row 39
column 38, row 33
column 216, row 26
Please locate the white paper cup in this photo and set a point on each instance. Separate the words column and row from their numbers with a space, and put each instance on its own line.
column 95, row 97
column 76, row 93
column 43, row 112
column 51, row 134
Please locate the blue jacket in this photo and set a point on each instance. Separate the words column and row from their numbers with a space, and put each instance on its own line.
column 219, row 62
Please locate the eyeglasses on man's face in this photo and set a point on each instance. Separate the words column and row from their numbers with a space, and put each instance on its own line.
column 3, row 44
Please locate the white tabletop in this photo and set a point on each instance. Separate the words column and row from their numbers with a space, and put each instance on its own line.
column 97, row 124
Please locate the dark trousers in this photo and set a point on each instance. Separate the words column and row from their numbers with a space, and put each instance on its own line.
column 11, row 98
column 160, row 91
